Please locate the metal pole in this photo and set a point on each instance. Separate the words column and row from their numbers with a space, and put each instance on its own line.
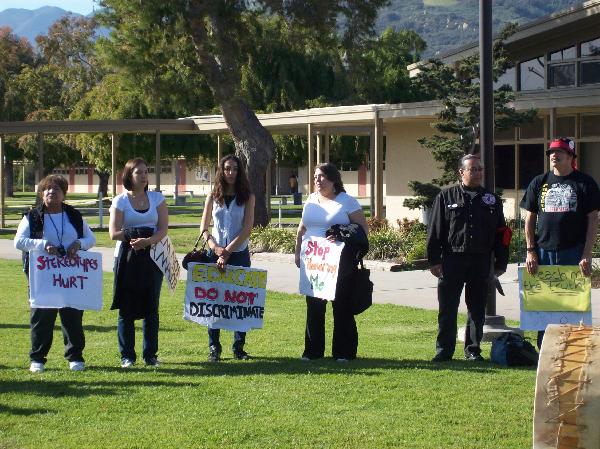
column 113, row 163
column 100, row 206
column 310, row 165
column 280, row 204
column 2, row 180
column 40, row 169
column 157, row 164
column 372, row 171
column 486, row 143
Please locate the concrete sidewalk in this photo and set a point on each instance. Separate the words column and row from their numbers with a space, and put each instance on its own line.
column 407, row 288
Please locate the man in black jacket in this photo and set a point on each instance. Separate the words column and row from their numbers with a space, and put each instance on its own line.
column 467, row 226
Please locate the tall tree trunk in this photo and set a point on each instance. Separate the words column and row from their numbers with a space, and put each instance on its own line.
column 103, row 182
column 255, row 145
column 252, row 141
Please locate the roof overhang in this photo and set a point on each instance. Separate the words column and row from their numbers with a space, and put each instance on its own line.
column 135, row 126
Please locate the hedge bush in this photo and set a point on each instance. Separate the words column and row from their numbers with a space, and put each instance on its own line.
column 403, row 244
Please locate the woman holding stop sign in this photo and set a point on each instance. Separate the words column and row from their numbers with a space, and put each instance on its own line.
column 329, row 205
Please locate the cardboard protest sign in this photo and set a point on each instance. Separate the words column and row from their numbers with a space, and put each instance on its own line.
column 319, row 267
column 556, row 288
column 233, row 299
column 163, row 255
column 56, row 281
column 556, row 281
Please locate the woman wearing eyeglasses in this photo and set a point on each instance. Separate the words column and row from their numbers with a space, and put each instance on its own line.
column 60, row 230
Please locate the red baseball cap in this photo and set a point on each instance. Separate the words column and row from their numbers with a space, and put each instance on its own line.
column 563, row 143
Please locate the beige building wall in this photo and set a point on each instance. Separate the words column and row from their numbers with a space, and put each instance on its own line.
column 406, row 160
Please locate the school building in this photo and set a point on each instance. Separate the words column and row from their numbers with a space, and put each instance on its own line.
column 557, row 72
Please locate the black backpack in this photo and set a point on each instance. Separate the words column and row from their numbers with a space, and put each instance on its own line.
column 511, row 349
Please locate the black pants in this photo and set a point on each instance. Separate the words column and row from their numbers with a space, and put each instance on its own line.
column 345, row 335
column 42, row 328
column 460, row 269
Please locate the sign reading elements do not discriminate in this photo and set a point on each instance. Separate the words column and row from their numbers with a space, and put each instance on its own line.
column 556, row 294
column 319, row 267
column 57, row 281
column 233, row 299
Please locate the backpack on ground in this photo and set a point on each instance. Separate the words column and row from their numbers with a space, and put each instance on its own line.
column 511, row 349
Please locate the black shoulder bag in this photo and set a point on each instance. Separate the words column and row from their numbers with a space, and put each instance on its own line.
column 196, row 256
column 362, row 290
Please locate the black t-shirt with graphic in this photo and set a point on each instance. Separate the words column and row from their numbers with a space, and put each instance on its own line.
column 562, row 204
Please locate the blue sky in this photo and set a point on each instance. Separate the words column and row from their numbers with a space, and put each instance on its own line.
column 79, row 6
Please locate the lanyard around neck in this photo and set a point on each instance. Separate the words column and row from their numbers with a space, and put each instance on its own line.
column 62, row 226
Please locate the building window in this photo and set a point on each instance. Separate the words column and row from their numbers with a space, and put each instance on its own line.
column 590, row 125
column 504, row 134
column 590, row 48
column 590, row 72
column 565, row 127
column 504, row 166
column 561, row 75
column 589, row 158
column 531, row 74
column 532, row 130
column 565, row 53
column 531, row 163
column 165, row 167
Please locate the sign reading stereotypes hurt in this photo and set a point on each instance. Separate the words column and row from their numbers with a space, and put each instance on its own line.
column 57, row 281
column 319, row 267
column 556, row 294
column 233, row 299
column 163, row 255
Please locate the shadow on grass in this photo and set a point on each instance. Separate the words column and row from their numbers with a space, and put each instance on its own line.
column 287, row 365
column 24, row 411
column 86, row 327
column 13, row 326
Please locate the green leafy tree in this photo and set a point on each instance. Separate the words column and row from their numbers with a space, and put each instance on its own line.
column 116, row 97
column 219, row 32
column 378, row 70
column 457, row 87
column 17, row 56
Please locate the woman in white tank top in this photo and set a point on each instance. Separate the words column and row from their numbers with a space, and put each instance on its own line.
column 231, row 208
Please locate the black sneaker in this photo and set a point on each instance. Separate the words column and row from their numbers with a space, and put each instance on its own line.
column 153, row 362
column 214, row 355
column 441, row 357
column 473, row 357
column 241, row 355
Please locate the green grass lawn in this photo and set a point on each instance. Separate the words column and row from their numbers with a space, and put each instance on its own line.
column 391, row 396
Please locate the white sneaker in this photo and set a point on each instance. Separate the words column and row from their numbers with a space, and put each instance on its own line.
column 341, row 360
column 126, row 363
column 76, row 366
column 37, row 367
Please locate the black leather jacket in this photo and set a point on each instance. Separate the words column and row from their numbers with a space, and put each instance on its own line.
column 460, row 224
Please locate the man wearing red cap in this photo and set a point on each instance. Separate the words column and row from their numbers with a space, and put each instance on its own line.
column 564, row 204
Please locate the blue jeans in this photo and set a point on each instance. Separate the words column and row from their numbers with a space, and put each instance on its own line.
column 240, row 259
column 126, row 328
column 569, row 256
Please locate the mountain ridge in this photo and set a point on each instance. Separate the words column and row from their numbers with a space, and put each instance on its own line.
column 443, row 24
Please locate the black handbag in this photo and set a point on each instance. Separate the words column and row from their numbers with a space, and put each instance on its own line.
column 194, row 255
column 362, row 290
